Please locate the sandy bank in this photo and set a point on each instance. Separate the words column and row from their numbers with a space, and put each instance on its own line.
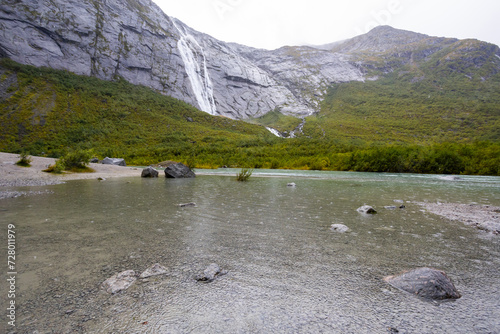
column 12, row 175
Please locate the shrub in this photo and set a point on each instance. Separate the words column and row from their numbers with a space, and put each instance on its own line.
column 77, row 161
column 56, row 168
column 24, row 160
column 244, row 174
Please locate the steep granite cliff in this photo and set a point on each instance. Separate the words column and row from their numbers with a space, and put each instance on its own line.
column 136, row 41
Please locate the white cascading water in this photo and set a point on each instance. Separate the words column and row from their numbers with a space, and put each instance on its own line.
column 197, row 73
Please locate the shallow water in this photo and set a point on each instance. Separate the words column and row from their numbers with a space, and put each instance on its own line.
column 287, row 271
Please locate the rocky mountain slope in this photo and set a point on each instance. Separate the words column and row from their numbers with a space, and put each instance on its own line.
column 135, row 40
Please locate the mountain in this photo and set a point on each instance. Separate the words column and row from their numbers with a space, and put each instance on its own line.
column 402, row 81
column 136, row 41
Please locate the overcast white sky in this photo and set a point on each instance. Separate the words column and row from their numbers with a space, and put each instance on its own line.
column 271, row 24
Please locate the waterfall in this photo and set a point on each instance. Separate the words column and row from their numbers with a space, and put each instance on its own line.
column 195, row 64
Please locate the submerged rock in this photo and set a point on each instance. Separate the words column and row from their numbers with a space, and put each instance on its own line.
column 339, row 228
column 367, row 209
column 184, row 205
column 149, row 172
column 119, row 282
column 211, row 273
column 114, row 161
column 179, row 170
column 426, row 283
column 155, row 270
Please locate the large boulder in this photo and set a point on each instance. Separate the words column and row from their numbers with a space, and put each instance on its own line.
column 426, row 283
column 119, row 282
column 114, row 161
column 149, row 172
column 178, row 170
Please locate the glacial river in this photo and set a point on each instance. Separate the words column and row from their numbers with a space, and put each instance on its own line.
column 287, row 272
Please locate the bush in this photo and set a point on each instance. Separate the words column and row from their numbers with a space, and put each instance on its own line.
column 244, row 175
column 24, row 160
column 56, row 168
column 77, row 161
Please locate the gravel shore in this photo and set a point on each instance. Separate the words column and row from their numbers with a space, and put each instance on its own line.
column 484, row 217
column 12, row 175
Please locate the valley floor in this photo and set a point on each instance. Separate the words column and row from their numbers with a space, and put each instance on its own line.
column 12, row 176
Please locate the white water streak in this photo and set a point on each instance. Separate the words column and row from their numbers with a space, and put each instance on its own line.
column 197, row 71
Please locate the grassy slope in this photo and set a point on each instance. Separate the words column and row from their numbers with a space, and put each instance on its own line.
column 48, row 112
column 452, row 96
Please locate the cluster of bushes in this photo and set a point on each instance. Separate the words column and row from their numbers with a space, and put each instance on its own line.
column 74, row 161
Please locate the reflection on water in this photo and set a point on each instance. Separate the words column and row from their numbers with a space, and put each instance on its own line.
column 287, row 271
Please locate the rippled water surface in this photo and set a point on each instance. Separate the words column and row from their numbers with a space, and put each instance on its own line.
column 287, row 271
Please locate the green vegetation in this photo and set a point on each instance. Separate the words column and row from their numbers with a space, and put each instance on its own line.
column 75, row 161
column 24, row 160
column 54, row 113
column 278, row 121
column 244, row 175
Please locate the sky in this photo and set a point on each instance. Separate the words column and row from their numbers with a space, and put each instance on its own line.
column 270, row 24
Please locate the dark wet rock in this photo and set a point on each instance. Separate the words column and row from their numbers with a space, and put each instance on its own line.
column 367, row 209
column 339, row 228
column 114, row 161
column 119, row 282
column 149, row 172
column 427, row 283
column 94, row 160
column 155, row 270
column 211, row 273
column 184, row 205
column 178, row 170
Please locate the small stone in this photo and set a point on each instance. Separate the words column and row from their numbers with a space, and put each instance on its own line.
column 367, row 209
column 155, row 270
column 119, row 282
column 291, row 185
column 184, row 205
column 211, row 273
column 339, row 228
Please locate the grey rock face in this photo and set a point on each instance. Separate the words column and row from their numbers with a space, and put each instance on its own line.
column 149, row 172
column 426, row 283
column 114, row 161
column 136, row 41
column 179, row 170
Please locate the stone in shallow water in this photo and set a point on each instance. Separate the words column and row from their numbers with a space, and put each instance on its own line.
column 426, row 283
column 339, row 228
column 367, row 209
column 119, row 282
column 149, row 172
column 178, row 170
column 211, row 273
column 155, row 270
